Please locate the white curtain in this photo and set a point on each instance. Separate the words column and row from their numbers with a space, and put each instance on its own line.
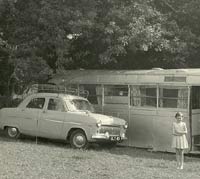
column 161, row 97
column 99, row 94
column 135, row 96
column 182, row 98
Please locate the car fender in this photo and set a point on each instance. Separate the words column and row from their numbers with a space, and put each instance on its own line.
column 68, row 130
column 7, row 116
column 16, row 126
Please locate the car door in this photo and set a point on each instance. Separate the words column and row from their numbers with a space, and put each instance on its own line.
column 30, row 115
column 51, row 120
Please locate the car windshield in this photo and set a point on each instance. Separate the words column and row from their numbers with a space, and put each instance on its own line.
column 80, row 104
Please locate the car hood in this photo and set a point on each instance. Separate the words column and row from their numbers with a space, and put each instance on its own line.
column 107, row 120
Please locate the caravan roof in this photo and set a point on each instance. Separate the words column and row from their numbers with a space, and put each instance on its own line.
column 155, row 75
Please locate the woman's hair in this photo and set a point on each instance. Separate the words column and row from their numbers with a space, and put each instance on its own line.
column 178, row 114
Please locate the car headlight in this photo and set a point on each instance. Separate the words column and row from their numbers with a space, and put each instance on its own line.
column 126, row 125
column 99, row 124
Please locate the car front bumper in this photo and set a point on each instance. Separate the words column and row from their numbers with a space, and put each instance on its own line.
column 107, row 137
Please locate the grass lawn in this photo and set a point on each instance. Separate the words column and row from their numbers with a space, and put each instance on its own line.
column 24, row 159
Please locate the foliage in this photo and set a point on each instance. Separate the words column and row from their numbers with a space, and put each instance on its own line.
column 70, row 34
column 21, row 63
column 185, row 14
column 124, row 28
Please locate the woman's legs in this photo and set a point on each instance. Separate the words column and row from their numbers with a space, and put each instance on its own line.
column 178, row 158
column 181, row 158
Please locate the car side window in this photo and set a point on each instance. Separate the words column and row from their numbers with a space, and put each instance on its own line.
column 37, row 103
column 55, row 105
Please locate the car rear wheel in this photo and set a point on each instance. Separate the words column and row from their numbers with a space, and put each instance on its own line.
column 78, row 139
column 12, row 132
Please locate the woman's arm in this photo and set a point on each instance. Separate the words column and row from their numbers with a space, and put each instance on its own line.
column 182, row 130
column 174, row 131
column 178, row 132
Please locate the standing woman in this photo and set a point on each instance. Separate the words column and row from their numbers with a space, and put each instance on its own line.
column 179, row 140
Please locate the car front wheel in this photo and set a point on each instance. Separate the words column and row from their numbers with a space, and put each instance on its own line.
column 78, row 139
column 12, row 132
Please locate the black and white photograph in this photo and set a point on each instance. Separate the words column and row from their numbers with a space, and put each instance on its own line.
column 99, row 89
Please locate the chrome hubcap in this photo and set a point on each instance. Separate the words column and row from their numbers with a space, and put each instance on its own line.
column 12, row 131
column 79, row 140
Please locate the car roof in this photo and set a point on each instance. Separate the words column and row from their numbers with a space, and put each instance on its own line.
column 61, row 95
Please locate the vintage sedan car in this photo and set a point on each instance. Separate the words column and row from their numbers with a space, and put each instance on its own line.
column 61, row 116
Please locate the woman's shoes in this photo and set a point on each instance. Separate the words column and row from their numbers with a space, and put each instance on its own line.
column 180, row 167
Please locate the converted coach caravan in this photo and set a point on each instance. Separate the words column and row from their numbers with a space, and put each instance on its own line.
column 146, row 99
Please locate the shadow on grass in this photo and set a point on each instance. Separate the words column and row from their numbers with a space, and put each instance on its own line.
column 142, row 153
column 118, row 150
column 33, row 140
column 136, row 152
column 149, row 154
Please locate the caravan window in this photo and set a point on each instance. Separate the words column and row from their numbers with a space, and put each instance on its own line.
column 95, row 93
column 196, row 97
column 116, row 94
column 143, row 96
column 173, row 97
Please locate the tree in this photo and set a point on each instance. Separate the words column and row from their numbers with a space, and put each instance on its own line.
column 185, row 14
column 71, row 34
column 123, row 32
column 24, row 64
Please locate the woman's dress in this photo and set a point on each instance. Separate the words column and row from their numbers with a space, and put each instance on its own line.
column 179, row 141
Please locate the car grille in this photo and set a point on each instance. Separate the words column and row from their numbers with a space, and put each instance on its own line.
column 112, row 130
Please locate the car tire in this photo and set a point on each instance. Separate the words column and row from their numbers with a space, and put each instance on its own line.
column 12, row 132
column 78, row 139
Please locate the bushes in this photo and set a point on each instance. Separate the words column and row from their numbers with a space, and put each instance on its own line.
column 7, row 101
